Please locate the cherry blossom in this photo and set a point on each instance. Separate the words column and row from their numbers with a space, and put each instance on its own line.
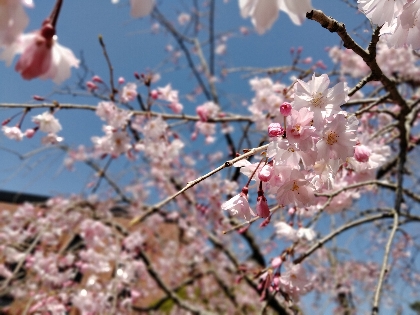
column 297, row 190
column 47, row 122
column 13, row 21
column 338, row 140
column 41, row 56
column 323, row 102
column 294, row 281
column 13, row 133
column 380, row 12
column 129, row 92
column 141, row 8
column 263, row 13
column 239, row 205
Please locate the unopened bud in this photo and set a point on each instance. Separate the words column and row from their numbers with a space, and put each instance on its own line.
column 275, row 130
column 29, row 133
column 263, row 210
column 265, row 173
column 154, row 94
column 97, row 79
column 91, row 86
column 285, row 109
column 38, row 98
column 6, row 121
column 361, row 153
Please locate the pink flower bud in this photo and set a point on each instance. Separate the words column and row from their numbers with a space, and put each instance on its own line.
column 265, row 173
column 121, row 80
column 320, row 64
column 276, row 262
column 202, row 113
column 262, row 207
column 97, row 79
column 176, row 107
column 154, row 94
column 275, row 130
column 136, row 75
column 29, row 133
column 38, row 98
column 6, row 121
column 91, row 86
column 285, row 109
column 361, row 153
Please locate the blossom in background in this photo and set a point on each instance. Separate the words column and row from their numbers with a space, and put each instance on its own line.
column 294, row 281
column 129, row 92
column 263, row 13
column 13, row 21
column 47, row 123
column 13, row 133
column 139, row 8
column 41, row 55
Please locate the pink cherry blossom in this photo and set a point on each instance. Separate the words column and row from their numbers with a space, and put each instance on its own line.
column 263, row 13
column 42, row 56
column 207, row 111
column 294, row 281
column 13, row 133
column 300, row 130
column 141, row 8
column 405, row 29
column 167, row 94
column 51, row 138
column 275, row 130
column 13, row 21
column 296, row 191
column 47, row 122
column 129, row 92
column 338, row 140
column 318, row 98
column 284, row 230
column 379, row 11
column 266, row 173
column 239, row 205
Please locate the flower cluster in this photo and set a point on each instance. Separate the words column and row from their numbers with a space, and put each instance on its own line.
column 400, row 20
column 264, row 13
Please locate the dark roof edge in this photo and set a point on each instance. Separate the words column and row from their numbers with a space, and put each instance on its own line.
column 18, row 197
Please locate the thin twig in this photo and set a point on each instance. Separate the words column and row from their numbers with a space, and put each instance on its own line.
column 338, row 231
column 110, row 67
column 384, row 270
column 229, row 163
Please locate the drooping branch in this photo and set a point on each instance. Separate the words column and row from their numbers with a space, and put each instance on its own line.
column 338, row 231
column 190, row 184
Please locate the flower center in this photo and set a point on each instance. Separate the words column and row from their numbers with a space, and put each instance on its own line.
column 295, row 186
column 317, row 100
column 295, row 130
column 332, row 137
